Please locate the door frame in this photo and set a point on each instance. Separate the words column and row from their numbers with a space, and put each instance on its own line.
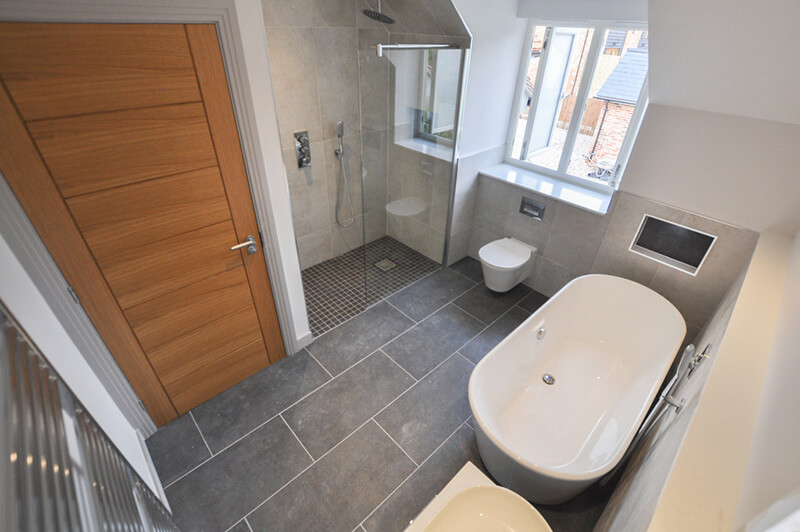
column 243, row 44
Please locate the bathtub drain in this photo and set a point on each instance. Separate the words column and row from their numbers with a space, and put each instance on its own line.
column 548, row 379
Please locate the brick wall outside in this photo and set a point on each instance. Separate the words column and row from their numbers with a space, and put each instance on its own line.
column 612, row 133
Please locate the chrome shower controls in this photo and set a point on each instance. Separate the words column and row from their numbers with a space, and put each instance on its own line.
column 302, row 148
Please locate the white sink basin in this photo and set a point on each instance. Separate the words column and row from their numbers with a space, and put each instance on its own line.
column 488, row 509
column 471, row 502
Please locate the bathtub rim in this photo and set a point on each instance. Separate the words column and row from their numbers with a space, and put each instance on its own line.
column 594, row 474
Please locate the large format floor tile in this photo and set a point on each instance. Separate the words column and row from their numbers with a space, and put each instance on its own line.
column 494, row 334
column 487, row 305
column 345, row 345
column 219, row 493
column 427, row 295
column 415, row 493
column 422, row 418
column 469, row 267
column 424, row 346
column 340, row 490
column 533, row 301
column 327, row 416
column 176, row 449
column 238, row 410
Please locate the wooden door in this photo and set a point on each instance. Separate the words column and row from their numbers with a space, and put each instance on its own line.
column 120, row 142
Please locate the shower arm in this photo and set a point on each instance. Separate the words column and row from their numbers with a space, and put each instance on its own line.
column 379, row 48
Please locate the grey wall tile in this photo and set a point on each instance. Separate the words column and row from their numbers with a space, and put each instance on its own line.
column 697, row 296
column 294, row 79
column 220, row 492
column 238, row 410
column 550, row 277
column 352, row 168
column 327, row 416
column 422, row 418
column 334, row 13
column 314, row 248
column 424, row 346
column 575, row 237
column 458, row 247
column 348, row 343
column 337, row 76
column 492, row 205
column 286, row 14
column 176, row 448
column 420, row 488
column 479, row 238
column 341, row 489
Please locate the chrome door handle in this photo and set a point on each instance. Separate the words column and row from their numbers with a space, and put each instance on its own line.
column 249, row 243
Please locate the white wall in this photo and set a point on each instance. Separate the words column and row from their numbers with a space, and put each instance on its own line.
column 773, row 467
column 721, row 134
column 497, row 39
column 739, row 170
column 584, row 9
column 703, row 490
column 728, row 56
column 29, row 308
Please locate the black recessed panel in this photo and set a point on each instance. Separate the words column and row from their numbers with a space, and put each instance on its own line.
column 673, row 241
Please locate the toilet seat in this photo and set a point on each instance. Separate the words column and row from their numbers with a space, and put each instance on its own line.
column 505, row 254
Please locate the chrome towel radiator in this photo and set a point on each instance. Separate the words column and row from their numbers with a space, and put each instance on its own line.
column 58, row 470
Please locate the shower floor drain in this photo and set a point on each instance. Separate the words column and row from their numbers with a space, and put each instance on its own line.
column 385, row 265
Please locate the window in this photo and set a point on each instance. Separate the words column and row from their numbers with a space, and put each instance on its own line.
column 582, row 96
column 434, row 120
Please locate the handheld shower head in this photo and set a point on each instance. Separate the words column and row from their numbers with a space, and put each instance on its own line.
column 340, row 129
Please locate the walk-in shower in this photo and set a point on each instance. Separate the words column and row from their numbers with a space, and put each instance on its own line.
column 393, row 168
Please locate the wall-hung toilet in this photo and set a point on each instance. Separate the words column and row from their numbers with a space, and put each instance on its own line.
column 505, row 263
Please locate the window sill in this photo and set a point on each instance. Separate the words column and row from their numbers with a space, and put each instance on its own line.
column 590, row 199
column 445, row 153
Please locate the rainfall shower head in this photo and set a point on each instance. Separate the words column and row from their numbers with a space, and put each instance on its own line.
column 378, row 15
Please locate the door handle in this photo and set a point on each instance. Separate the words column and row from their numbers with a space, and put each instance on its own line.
column 249, row 243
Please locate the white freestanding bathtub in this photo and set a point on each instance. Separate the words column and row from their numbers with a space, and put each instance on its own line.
column 607, row 343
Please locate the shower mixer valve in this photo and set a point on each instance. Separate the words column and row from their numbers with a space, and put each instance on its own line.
column 302, row 148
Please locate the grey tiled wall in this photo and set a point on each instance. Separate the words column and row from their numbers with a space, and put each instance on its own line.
column 313, row 51
column 571, row 242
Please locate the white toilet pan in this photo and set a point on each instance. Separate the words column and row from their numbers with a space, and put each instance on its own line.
column 505, row 263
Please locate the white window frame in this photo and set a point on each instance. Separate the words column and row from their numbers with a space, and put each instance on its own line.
column 592, row 57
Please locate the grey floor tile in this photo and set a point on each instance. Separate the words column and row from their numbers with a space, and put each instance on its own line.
column 238, row 410
column 176, row 448
column 469, row 267
column 579, row 514
column 327, row 416
column 220, row 492
column 348, row 343
column 241, row 526
column 424, row 346
column 422, row 418
column 340, row 490
column 533, row 301
column 487, row 305
column 494, row 334
column 427, row 295
column 420, row 488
